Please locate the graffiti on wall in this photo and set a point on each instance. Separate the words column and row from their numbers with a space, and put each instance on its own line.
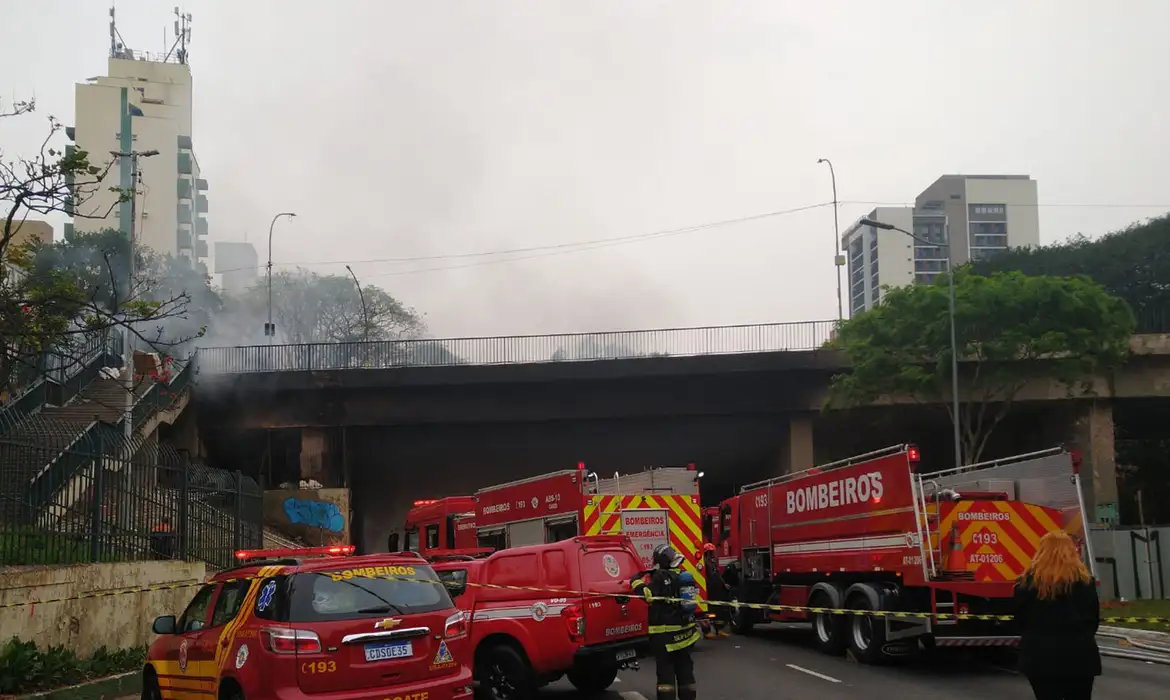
column 322, row 514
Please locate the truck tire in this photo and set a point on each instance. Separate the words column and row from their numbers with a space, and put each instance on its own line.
column 741, row 619
column 867, row 634
column 592, row 679
column 502, row 673
column 829, row 631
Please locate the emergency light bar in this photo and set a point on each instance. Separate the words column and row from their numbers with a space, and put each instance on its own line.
column 339, row 550
column 425, row 502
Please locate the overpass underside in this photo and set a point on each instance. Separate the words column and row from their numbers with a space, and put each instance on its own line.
column 395, row 436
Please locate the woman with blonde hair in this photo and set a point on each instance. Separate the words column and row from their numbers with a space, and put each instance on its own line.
column 1057, row 612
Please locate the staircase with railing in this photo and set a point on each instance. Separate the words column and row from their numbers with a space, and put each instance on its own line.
column 44, row 452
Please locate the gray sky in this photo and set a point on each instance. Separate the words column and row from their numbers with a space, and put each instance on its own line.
column 437, row 127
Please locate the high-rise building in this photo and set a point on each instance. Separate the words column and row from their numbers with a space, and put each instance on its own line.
column 238, row 265
column 171, row 200
column 981, row 214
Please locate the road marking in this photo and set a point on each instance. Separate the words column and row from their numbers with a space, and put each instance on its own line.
column 822, row 676
column 632, row 695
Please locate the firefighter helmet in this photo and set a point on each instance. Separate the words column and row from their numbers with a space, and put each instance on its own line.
column 666, row 558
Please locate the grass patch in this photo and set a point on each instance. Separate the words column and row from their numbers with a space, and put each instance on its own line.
column 1138, row 608
column 26, row 669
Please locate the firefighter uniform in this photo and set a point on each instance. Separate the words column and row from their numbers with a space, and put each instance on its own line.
column 672, row 631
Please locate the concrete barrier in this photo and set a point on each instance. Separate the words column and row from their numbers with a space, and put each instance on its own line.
column 84, row 625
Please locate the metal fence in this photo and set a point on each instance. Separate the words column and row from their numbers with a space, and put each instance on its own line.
column 105, row 498
column 58, row 376
column 519, row 349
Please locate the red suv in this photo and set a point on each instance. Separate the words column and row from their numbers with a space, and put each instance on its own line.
column 550, row 610
column 314, row 622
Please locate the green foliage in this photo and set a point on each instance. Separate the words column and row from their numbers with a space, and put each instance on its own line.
column 25, row 669
column 1133, row 264
column 1011, row 328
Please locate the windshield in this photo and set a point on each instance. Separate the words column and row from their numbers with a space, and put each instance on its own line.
column 326, row 596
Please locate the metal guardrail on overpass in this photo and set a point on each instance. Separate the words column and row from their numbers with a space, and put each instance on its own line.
column 519, row 349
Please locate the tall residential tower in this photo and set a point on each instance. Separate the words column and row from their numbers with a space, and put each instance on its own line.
column 171, row 198
column 981, row 214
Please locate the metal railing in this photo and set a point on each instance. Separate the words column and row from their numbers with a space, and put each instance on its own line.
column 59, row 377
column 519, row 349
column 126, row 499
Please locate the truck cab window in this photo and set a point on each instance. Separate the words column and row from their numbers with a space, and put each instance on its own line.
column 433, row 537
column 412, row 540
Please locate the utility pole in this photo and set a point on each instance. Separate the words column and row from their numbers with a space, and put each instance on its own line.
column 270, row 327
column 838, row 258
column 130, row 157
column 955, row 434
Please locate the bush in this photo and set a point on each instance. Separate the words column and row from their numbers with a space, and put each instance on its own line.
column 25, row 669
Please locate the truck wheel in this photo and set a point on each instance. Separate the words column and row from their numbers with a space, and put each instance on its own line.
column 828, row 630
column 867, row 634
column 592, row 679
column 741, row 621
column 503, row 674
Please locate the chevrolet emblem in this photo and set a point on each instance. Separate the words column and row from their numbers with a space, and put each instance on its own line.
column 387, row 624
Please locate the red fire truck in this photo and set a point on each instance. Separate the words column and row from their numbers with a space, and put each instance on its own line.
column 657, row 506
column 440, row 524
column 872, row 533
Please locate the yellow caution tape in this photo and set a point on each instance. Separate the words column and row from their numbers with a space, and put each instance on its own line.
column 562, row 593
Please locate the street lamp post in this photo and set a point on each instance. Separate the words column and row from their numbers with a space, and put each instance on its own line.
column 958, row 444
column 365, row 313
column 269, row 328
column 128, row 335
column 837, row 261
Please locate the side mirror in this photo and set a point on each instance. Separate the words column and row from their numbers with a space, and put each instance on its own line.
column 164, row 625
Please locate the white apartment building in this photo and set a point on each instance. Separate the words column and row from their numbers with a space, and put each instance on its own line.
column 171, row 197
column 981, row 214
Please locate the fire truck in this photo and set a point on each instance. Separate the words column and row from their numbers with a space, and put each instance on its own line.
column 440, row 524
column 873, row 533
column 657, row 506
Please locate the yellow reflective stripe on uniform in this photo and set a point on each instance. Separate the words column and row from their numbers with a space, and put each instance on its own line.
column 685, row 643
column 667, row 629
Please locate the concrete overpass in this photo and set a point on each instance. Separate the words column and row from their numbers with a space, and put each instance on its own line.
column 415, row 419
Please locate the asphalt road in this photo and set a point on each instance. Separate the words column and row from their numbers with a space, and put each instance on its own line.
column 778, row 663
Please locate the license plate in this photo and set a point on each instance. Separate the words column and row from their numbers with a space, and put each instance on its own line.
column 626, row 654
column 389, row 650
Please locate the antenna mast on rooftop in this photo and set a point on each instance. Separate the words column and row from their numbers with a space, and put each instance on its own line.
column 182, row 37
column 117, row 43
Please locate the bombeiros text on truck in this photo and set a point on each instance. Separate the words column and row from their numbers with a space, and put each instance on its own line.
column 874, row 533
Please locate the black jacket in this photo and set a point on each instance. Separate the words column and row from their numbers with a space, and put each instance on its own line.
column 665, row 616
column 716, row 586
column 1058, row 637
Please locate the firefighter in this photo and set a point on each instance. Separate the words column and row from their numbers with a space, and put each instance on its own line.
column 717, row 592
column 672, row 631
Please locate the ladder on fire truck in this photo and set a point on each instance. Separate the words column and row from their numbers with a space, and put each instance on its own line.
column 1045, row 477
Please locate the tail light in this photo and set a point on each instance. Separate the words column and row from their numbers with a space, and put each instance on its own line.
column 456, row 626
column 912, row 454
column 574, row 618
column 286, row 641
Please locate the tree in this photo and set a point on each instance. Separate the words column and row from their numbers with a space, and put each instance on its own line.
column 1133, row 263
column 1011, row 329
column 312, row 308
column 56, row 298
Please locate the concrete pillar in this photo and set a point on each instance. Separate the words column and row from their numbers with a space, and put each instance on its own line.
column 314, row 453
column 797, row 453
column 1093, row 436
